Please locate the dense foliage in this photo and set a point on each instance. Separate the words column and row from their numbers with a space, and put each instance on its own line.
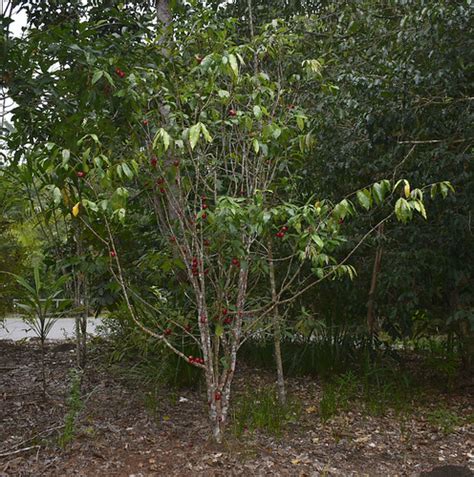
column 220, row 173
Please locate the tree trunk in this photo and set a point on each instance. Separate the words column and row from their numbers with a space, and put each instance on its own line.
column 371, row 323
column 276, row 329
column 43, row 367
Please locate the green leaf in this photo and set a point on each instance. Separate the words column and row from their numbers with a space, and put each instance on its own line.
column 97, row 75
column 219, row 330
column 205, row 133
column 365, row 199
column 194, row 135
column 256, row 145
column 127, row 171
column 257, row 111
column 233, row 64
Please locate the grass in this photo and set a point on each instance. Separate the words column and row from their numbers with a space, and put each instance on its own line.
column 260, row 410
column 75, row 405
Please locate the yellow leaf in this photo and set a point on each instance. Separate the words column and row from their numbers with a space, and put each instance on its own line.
column 295, row 461
column 407, row 190
column 311, row 409
column 75, row 209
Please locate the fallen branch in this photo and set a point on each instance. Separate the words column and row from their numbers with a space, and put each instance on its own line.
column 24, row 449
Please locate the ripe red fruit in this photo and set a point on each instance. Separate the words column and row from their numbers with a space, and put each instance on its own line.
column 190, row 358
column 217, row 396
column 112, row 253
column 168, row 331
column 204, row 216
column 145, row 122
column 162, row 190
column 153, row 162
column 235, row 262
column 232, row 112
column 203, row 198
column 80, row 174
column 204, row 206
column 280, row 234
column 284, row 228
column 224, row 311
column 228, row 321
column 172, row 238
column 160, row 181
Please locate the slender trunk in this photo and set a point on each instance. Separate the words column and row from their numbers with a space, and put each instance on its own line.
column 43, row 366
column 276, row 329
column 371, row 323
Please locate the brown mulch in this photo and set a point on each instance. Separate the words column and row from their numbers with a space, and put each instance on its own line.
column 117, row 435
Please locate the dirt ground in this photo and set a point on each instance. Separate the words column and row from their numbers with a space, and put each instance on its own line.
column 117, row 435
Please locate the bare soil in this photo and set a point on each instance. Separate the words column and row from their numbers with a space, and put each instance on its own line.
column 116, row 434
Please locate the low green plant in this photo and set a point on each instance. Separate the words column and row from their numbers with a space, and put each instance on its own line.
column 260, row 410
column 444, row 420
column 74, row 405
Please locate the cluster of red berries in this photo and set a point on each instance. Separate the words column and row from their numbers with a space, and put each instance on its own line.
column 160, row 182
column 282, row 232
column 217, row 395
column 80, row 174
column 120, row 73
column 204, row 206
column 195, row 267
column 192, row 359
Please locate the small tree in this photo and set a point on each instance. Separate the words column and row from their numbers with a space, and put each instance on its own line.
column 40, row 310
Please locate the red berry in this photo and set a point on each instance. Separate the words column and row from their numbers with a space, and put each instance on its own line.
column 203, row 319
column 195, row 260
column 162, row 190
column 228, row 321
column 153, row 162
column 112, row 253
column 235, row 261
column 118, row 71
column 80, row 174
column 204, row 206
column 168, row 331
column 232, row 112
column 206, row 243
column 204, row 216
column 224, row 311
column 160, row 181
column 280, row 234
column 203, row 198
column 145, row 122
column 190, row 358
column 284, row 228
column 217, row 396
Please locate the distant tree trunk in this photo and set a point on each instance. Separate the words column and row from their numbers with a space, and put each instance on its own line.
column 80, row 304
column 371, row 322
column 276, row 329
